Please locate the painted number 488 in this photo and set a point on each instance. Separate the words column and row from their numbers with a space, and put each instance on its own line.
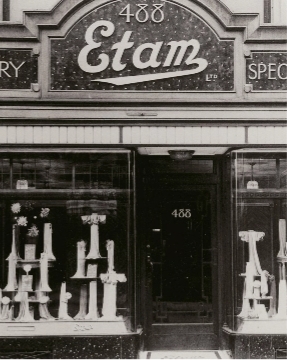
column 181, row 213
column 144, row 13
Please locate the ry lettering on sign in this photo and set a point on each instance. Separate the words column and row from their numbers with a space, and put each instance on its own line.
column 9, row 69
column 267, row 71
column 18, row 69
column 133, row 46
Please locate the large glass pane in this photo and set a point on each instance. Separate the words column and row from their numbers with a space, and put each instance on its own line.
column 42, row 172
column 4, row 173
column 283, row 173
column 256, row 168
column 259, row 228
column 68, row 253
column 101, row 172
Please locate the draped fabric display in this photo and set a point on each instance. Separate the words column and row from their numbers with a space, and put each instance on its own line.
column 83, row 207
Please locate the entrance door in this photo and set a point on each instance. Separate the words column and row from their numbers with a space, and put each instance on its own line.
column 180, row 269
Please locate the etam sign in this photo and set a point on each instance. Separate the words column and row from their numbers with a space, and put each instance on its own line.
column 156, row 46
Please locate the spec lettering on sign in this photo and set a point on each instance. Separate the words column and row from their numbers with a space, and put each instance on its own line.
column 273, row 71
column 267, row 71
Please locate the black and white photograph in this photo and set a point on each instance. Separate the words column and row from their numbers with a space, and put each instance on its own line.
column 143, row 179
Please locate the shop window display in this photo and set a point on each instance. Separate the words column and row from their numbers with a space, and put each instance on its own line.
column 65, row 234
column 259, row 190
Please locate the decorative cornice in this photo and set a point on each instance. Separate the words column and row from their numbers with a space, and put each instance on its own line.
column 35, row 21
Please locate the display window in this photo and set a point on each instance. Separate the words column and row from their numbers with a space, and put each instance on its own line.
column 66, row 226
column 259, row 190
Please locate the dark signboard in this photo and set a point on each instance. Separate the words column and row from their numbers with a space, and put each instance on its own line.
column 18, row 69
column 150, row 45
column 267, row 71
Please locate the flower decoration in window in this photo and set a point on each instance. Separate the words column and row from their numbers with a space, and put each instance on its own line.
column 16, row 208
column 33, row 231
column 22, row 221
column 25, row 213
column 44, row 212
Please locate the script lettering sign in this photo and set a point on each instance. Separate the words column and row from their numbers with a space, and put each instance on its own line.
column 18, row 69
column 267, row 71
column 151, row 45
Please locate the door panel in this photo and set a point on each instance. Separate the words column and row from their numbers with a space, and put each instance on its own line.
column 179, row 256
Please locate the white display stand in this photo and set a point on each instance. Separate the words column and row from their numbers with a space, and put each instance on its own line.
column 109, row 321
column 25, row 291
column 254, row 318
column 110, row 280
column 282, row 260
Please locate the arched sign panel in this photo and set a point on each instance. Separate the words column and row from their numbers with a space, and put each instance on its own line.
column 147, row 45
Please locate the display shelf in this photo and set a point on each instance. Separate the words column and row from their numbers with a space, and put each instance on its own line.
column 84, row 278
column 46, row 193
column 260, row 193
column 30, row 301
column 262, row 326
column 23, row 291
column 259, row 298
column 61, row 327
column 23, row 261
column 34, row 263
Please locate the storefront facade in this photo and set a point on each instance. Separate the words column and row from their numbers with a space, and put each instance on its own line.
column 142, row 181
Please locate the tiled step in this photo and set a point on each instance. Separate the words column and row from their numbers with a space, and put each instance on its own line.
column 183, row 342
column 182, row 337
column 185, row 328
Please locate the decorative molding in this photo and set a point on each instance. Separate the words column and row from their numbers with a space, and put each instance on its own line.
column 143, row 135
column 35, row 87
column 247, row 53
column 248, row 88
column 141, row 113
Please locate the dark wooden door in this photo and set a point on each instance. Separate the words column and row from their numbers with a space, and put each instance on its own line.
column 180, row 268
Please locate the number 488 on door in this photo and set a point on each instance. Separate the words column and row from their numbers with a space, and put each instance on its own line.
column 181, row 213
column 144, row 13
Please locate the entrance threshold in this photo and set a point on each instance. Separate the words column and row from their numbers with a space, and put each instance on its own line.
column 185, row 354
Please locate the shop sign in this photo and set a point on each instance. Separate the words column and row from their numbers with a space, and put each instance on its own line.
column 151, row 45
column 267, row 71
column 18, row 69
